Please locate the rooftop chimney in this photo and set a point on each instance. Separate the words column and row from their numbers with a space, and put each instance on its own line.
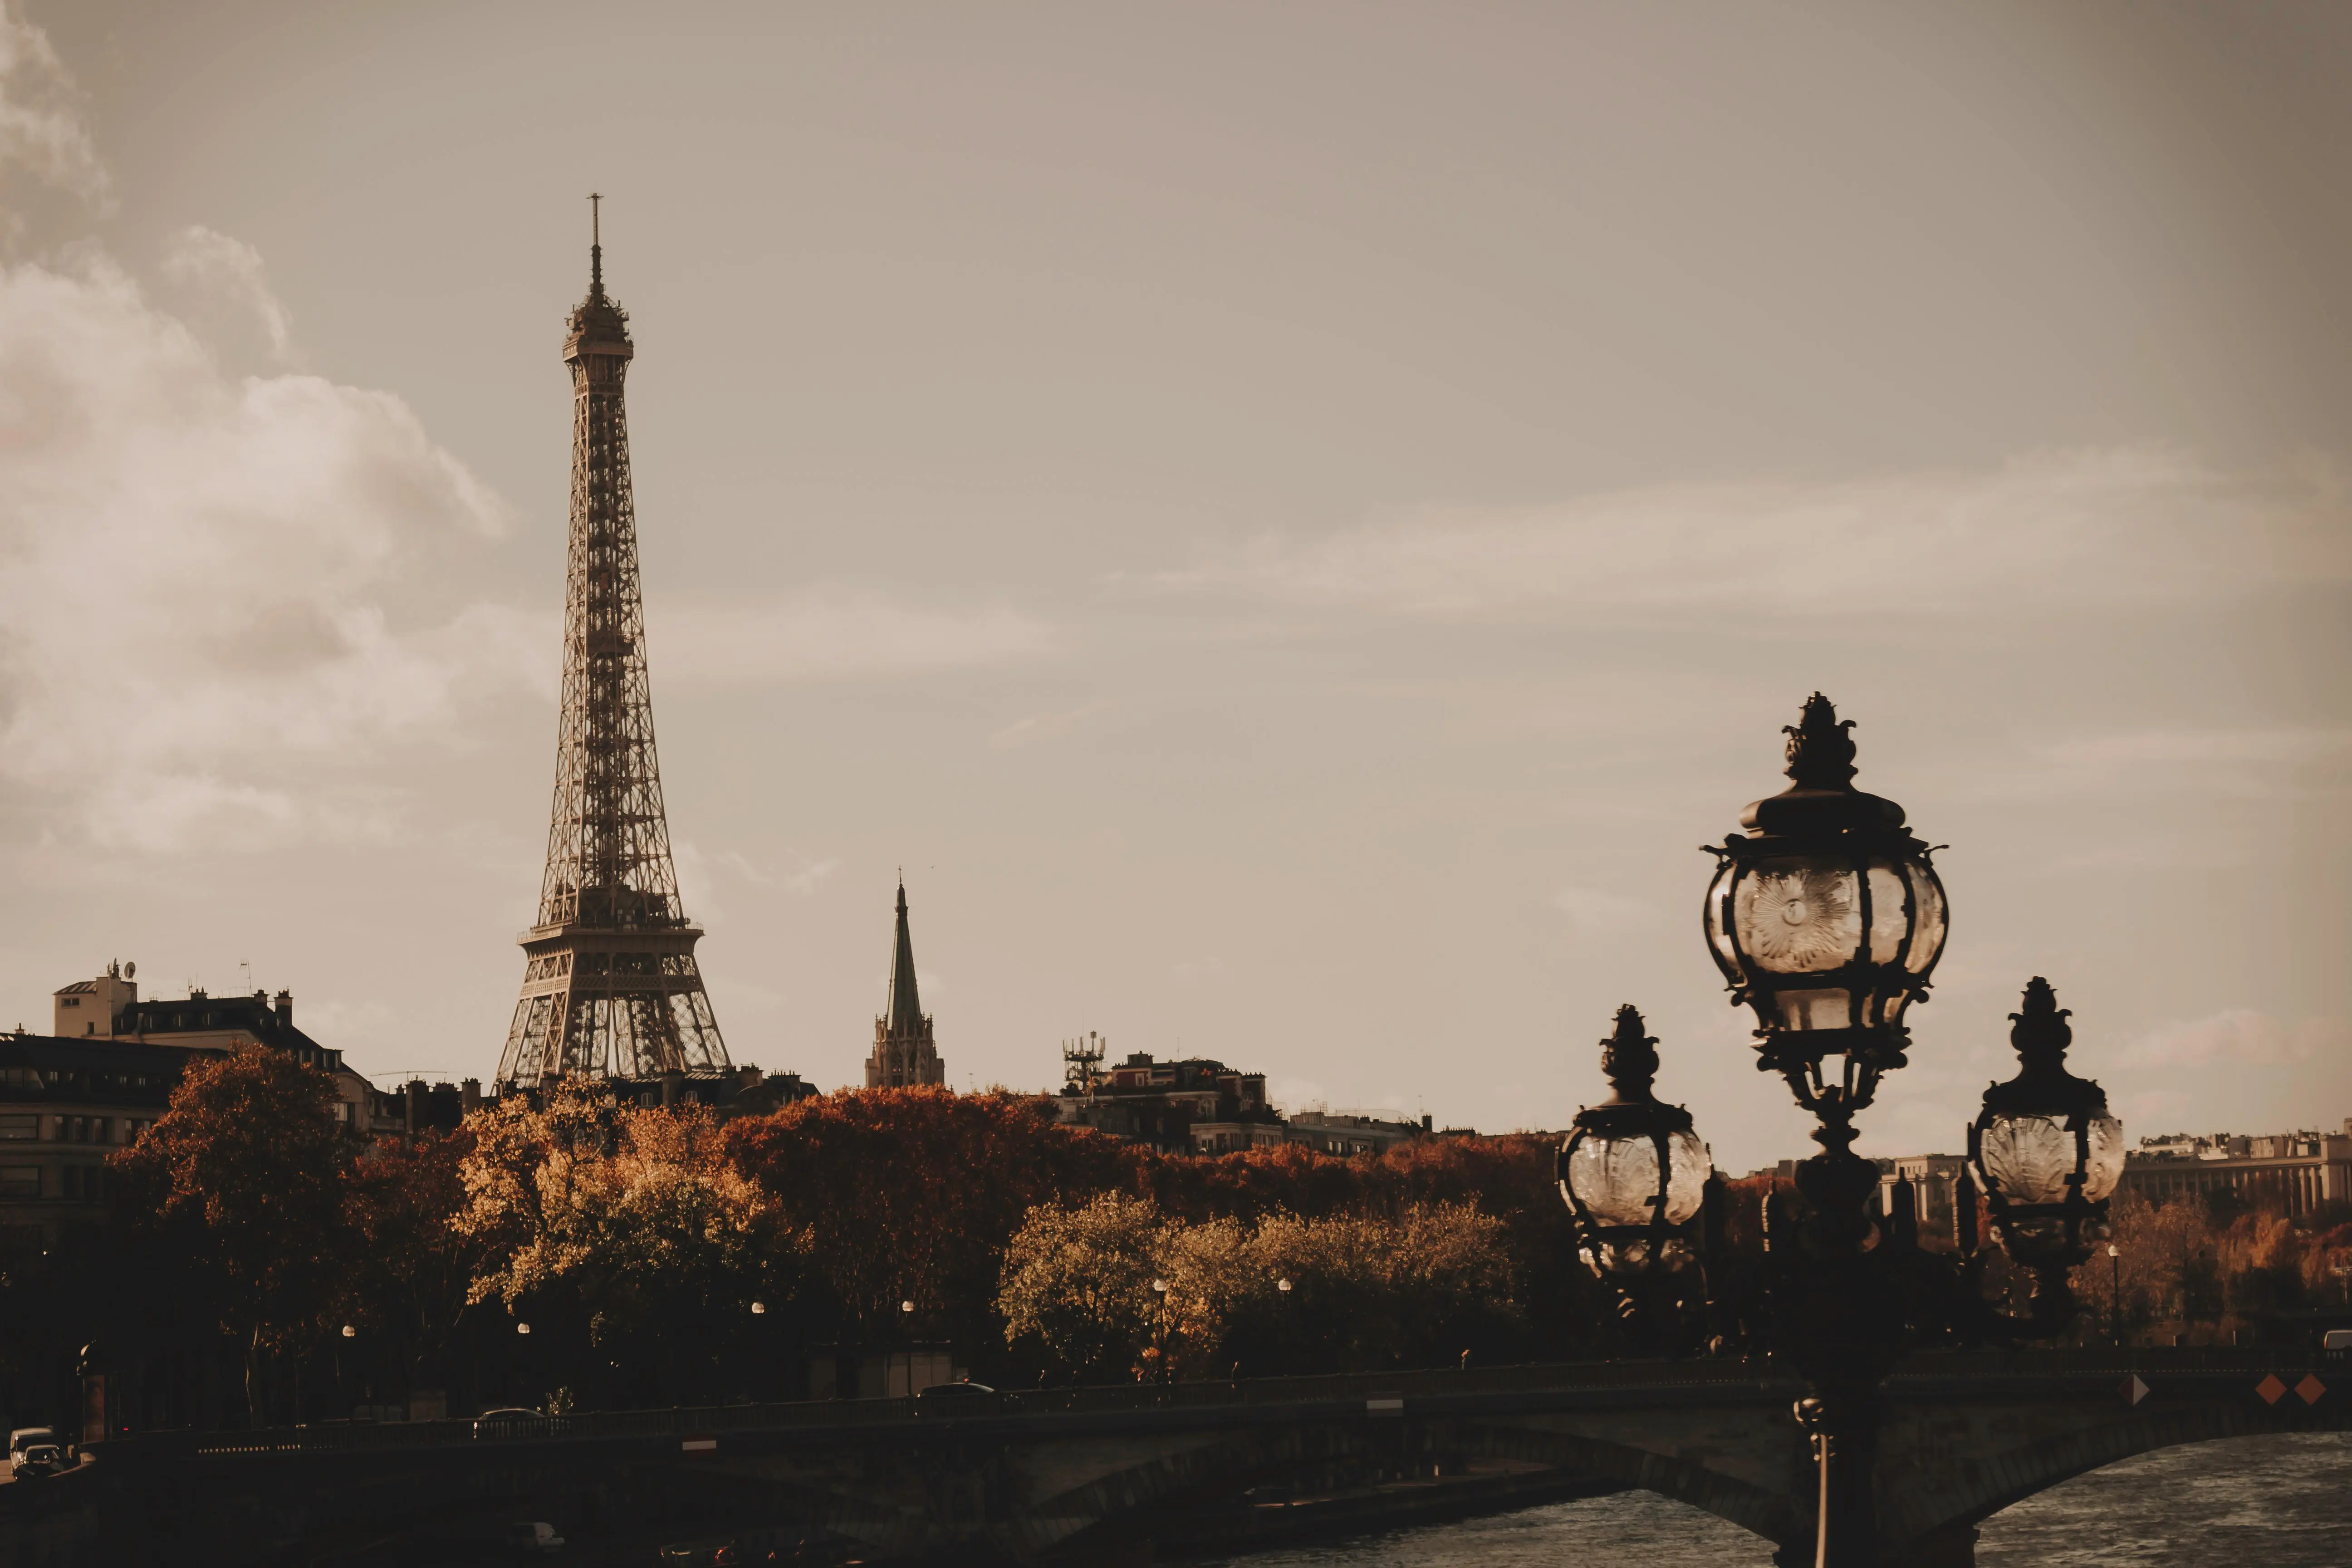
column 285, row 1000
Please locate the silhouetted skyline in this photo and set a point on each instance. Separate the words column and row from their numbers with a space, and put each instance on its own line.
column 1291, row 527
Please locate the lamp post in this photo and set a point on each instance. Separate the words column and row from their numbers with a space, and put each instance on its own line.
column 2115, row 1294
column 1159, row 1325
column 1827, row 919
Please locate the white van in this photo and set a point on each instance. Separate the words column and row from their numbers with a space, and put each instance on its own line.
column 2336, row 1339
column 24, row 1438
column 536, row 1538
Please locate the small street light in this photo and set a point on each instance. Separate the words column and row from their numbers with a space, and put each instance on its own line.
column 1283, row 1284
column 759, row 1309
column 1633, row 1171
column 2047, row 1155
column 522, row 1327
column 349, row 1333
column 1159, row 1325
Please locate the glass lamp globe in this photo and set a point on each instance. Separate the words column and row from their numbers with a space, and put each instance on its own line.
column 2046, row 1150
column 1828, row 917
column 1633, row 1170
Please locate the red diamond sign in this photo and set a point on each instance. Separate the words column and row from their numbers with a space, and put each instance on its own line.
column 2270, row 1389
column 2134, row 1390
column 2311, row 1388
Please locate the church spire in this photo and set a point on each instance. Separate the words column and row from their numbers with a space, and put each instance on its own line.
column 904, row 1054
column 906, row 1011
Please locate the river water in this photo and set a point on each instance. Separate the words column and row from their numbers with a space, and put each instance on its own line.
column 2281, row 1501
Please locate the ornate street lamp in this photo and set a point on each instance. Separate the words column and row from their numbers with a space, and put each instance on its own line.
column 1827, row 919
column 1633, row 1170
column 2047, row 1155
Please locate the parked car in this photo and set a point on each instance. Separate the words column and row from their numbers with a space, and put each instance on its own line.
column 40, row 1459
column 512, row 1421
column 2337, row 1341
column 963, row 1398
column 533, row 1538
column 25, row 1438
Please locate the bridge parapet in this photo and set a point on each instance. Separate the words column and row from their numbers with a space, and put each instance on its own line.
column 1057, row 1473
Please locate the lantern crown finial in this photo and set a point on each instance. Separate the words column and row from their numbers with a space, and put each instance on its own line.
column 2039, row 1032
column 1820, row 797
column 1629, row 1058
column 1821, row 752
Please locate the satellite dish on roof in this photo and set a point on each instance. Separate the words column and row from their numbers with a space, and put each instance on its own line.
column 130, row 972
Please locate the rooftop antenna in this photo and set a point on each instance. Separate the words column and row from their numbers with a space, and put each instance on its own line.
column 1082, row 1061
column 595, row 242
column 246, row 964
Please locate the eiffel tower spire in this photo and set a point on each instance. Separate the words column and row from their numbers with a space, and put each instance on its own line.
column 610, row 985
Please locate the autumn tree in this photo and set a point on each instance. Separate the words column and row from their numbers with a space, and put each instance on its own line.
column 412, row 1268
column 1364, row 1290
column 1077, row 1284
column 633, row 1219
column 243, row 1183
column 910, row 1194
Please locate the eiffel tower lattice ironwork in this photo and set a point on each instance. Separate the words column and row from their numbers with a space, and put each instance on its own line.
column 611, row 988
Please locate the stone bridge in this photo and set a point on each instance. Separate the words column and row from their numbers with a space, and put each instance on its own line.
column 1101, row 1475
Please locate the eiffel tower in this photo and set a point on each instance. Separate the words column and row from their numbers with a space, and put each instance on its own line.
column 609, row 988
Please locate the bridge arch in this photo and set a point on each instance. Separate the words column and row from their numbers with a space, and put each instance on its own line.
column 1753, row 1508
column 1944, row 1503
column 1102, row 1508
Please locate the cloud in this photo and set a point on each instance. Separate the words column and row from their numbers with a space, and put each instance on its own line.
column 1042, row 726
column 1595, row 912
column 198, row 574
column 1194, row 972
column 2246, row 764
column 809, row 878
column 833, row 633
column 41, row 130
column 2125, row 524
column 2239, row 1035
column 209, row 259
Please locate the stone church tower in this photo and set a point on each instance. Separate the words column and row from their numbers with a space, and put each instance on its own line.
column 903, row 1053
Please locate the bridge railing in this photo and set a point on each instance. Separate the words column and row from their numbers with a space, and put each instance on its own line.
column 690, row 1423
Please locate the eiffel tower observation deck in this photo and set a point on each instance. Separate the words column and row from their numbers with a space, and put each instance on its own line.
column 610, row 987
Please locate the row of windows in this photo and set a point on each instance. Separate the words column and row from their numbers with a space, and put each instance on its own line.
column 19, row 1126
column 58, row 1077
column 80, row 1183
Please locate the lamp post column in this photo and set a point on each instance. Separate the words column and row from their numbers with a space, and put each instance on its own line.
column 2115, row 1294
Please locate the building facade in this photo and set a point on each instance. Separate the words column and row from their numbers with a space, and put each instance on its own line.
column 1201, row 1106
column 2296, row 1171
column 66, row 1104
column 904, row 1054
column 108, row 1007
column 1342, row 1133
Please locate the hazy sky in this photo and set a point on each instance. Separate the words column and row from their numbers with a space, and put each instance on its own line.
column 1290, row 523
